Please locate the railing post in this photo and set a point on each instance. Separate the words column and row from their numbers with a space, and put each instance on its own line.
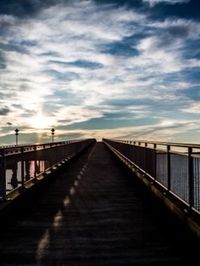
column 35, row 160
column 155, row 160
column 2, row 176
column 22, row 166
column 145, row 156
column 168, row 168
column 190, row 177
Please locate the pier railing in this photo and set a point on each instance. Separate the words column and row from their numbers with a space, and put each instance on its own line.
column 174, row 167
column 24, row 163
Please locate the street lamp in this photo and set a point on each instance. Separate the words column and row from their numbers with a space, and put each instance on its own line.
column 16, row 134
column 52, row 134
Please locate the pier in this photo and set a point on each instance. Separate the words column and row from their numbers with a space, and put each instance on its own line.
column 100, row 203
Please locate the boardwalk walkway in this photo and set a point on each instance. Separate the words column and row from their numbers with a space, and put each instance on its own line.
column 95, row 214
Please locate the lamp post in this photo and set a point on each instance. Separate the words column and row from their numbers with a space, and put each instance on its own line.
column 52, row 134
column 16, row 134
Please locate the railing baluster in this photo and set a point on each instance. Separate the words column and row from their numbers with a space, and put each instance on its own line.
column 168, row 168
column 22, row 166
column 190, row 177
column 155, row 161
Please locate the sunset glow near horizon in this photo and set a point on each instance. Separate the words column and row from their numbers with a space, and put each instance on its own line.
column 113, row 69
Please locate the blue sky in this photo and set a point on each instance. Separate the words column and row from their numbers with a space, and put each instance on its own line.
column 115, row 69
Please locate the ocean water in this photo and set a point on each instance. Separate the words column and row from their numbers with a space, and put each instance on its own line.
column 14, row 172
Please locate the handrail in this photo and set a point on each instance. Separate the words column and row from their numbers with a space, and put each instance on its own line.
column 175, row 144
column 32, row 147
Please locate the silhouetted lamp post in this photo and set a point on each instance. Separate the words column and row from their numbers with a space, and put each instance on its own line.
column 52, row 134
column 16, row 134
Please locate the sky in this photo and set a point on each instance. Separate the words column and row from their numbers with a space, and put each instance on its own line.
column 94, row 68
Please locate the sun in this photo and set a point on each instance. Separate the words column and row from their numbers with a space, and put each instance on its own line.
column 40, row 121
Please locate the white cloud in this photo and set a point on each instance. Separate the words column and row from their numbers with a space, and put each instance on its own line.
column 7, row 20
column 75, row 114
column 193, row 108
column 172, row 2
column 161, row 59
column 180, row 29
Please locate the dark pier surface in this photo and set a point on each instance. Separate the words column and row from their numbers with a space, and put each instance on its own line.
column 94, row 213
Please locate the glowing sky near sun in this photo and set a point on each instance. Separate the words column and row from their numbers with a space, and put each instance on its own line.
column 115, row 69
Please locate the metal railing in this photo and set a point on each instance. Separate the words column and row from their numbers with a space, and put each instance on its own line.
column 174, row 166
column 20, row 164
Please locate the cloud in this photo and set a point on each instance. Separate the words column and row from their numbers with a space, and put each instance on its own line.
column 193, row 108
column 164, row 130
column 4, row 111
column 74, row 114
column 95, row 66
column 170, row 2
